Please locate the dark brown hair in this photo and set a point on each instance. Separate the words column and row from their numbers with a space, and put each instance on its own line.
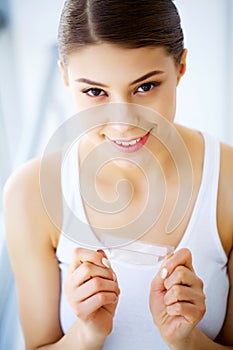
column 127, row 23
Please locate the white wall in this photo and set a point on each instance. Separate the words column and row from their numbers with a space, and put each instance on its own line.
column 32, row 36
column 205, row 95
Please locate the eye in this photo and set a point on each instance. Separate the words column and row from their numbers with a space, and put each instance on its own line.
column 94, row 92
column 146, row 87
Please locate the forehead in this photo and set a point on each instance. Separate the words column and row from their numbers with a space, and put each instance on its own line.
column 107, row 59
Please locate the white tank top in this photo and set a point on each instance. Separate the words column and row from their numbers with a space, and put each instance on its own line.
column 133, row 325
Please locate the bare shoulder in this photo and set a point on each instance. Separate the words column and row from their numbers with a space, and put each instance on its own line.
column 225, row 196
column 22, row 190
column 225, row 220
column 24, row 203
column 194, row 142
column 227, row 162
column 32, row 238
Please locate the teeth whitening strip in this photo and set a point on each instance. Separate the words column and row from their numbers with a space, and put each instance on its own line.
column 140, row 253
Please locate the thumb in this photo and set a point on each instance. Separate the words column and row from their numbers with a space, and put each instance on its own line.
column 157, row 284
column 157, row 292
column 158, row 281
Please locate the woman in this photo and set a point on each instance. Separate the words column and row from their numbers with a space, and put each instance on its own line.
column 128, row 54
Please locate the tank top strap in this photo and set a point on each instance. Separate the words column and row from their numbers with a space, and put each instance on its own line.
column 202, row 229
column 211, row 167
column 208, row 192
column 75, row 230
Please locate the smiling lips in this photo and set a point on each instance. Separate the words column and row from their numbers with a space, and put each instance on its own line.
column 132, row 145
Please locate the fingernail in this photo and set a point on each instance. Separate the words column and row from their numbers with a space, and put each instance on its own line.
column 106, row 263
column 166, row 259
column 101, row 252
column 164, row 273
column 114, row 277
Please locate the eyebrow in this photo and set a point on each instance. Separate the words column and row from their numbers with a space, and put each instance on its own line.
column 90, row 82
column 146, row 76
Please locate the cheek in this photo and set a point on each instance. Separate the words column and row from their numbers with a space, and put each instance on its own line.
column 164, row 103
column 84, row 103
column 79, row 103
column 80, row 100
column 170, row 108
column 95, row 136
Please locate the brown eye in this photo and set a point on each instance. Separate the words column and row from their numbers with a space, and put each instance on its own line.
column 94, row 92
column 146, row 87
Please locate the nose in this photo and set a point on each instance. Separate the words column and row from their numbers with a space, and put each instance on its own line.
column 123, row 116
column 122, row 128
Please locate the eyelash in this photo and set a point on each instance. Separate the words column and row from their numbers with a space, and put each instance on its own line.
column 153, row 84
column 93, row 89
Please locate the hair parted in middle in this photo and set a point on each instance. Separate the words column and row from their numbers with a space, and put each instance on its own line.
column 128, row 23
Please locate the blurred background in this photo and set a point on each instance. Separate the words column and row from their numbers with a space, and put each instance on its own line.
column 34, row 102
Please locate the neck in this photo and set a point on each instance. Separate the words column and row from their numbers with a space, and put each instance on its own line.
column 153, row 160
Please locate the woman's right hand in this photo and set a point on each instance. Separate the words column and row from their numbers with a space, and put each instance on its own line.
column 92, row 290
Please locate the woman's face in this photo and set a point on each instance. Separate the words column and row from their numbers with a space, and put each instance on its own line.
column 105, row 74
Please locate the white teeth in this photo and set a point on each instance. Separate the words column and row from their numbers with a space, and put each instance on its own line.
column 128, row 143
column 133, row 142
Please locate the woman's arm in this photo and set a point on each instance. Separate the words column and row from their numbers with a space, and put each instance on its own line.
column 175, row 282
column 178, row 327
column 29, row 235
column 226, row 334
column 32, row 240
column 199, row 341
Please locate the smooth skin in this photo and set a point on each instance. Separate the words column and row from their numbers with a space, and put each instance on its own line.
column 115, row 75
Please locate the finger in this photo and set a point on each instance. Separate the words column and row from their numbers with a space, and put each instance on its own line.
column 183, row 275
column 92, row 304
column 80, row 255
column 157, row 284
column 181, row 257
column 180, row 293
column 88, row 270
column 94, row 286
column 192, row 313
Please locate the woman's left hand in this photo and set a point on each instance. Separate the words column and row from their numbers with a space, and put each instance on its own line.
column 177, row 300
